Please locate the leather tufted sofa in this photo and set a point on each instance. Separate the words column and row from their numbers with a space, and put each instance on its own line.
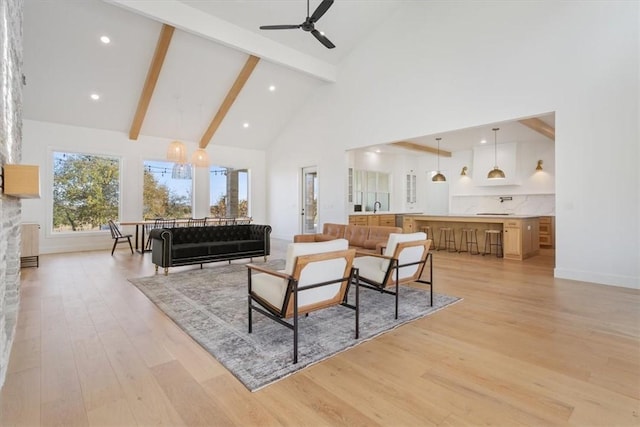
column 172, row 247
column 361, row 237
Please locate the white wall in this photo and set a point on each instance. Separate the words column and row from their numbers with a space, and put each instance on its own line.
column 454, row 65
column 40, row 139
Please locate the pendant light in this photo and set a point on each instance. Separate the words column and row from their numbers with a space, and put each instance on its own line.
column 438, row 177
column 181, row 171
column 200, row 158
column 177, row 152
column 495, row 173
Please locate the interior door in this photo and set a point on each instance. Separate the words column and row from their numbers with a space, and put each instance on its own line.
column 309, row 214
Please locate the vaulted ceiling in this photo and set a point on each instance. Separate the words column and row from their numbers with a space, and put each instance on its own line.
column 65, row 62
column 201, row 93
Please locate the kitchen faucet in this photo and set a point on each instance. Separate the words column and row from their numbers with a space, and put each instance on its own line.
column 378, row 204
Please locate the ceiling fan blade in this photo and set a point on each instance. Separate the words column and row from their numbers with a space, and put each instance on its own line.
column 322, row 39
column 279, row 27
column 320, row 10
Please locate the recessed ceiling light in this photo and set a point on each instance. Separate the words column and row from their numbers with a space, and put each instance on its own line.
column 272, row 88
column 378, row 151
column 245, row 125
column 483, row 141
column 95, row 96
column 105, row 39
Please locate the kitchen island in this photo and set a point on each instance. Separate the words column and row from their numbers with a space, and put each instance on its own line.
column 520, row 232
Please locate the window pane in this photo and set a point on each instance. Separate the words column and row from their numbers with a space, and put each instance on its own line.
column 164, row 196
column 86, row 191
column 229, row 192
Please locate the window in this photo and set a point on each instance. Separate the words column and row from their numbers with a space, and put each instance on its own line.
column 372, row 187
column 86, row 192
column 229, row 190
column 162, row 195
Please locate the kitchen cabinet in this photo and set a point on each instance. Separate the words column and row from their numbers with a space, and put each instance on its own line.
column 520, row 233
column 387, row 220
column 546, row 231
column 512, row 236
column 30, row 245
column 358, row 220
column 521, row 238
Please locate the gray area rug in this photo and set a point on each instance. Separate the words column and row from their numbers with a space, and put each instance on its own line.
column 210, row 304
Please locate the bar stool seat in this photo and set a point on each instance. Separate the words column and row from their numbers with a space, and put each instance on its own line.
column 491, row 242
column 470, row 238
column 449, row 235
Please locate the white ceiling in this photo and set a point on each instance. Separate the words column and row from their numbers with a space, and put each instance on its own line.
column 64, row 62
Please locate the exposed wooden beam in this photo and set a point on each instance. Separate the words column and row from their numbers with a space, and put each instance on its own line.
column 540, row 127
column 242, row 78
column 417, row 147
column 152, row 78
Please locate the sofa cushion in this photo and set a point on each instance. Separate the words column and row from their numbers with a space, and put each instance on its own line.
column 190, row 250
column 356, row 235
column 251, row 245
column 335, row 230
column 371, row 244
column 381, row 233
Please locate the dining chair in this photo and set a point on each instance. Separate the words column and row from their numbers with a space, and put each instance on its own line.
column 116, row 235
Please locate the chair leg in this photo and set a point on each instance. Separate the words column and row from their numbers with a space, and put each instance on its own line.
column 115, row 242
column 129, row 240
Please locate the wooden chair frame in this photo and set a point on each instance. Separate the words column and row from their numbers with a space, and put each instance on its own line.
column 290, row 306
column 392, row 275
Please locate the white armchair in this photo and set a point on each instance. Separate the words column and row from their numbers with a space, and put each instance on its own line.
column 316, row 276
column 403, row 261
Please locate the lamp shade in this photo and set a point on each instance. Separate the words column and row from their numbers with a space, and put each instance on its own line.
column 22, row 181
column 438, row 177
column 177, row 152
column 181, row 171
column 495, row 173
column 200, row 158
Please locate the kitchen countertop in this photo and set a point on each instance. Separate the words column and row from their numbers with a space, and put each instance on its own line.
column 479, row 217
column 385, row 213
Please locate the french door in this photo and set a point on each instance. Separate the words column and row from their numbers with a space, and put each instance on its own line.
column 309, row 213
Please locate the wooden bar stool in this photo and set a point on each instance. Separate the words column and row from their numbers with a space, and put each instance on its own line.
column 470, row 238
column 426, row 229
column 489, row 241
column 449, row 239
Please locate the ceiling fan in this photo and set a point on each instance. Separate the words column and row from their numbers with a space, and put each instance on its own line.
column 309, row 23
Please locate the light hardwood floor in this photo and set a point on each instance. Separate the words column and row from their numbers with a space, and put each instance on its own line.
column 522, row 348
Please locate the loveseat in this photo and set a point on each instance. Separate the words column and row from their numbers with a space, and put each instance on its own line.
column 198, row 245
column 363, row 238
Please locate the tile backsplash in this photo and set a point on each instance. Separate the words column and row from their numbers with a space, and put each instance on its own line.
column 520, row 204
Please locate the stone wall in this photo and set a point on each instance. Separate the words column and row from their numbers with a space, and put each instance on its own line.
column 10, row 152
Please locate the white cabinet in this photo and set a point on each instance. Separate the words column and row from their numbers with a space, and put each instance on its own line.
column 484, row 161
column 30, row 245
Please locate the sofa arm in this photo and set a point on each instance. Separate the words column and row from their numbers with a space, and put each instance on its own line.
column 304, row 238
column 161, row 242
